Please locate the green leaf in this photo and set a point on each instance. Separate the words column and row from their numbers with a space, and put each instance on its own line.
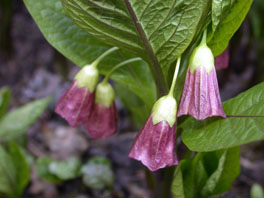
column 21, row 166
column 82, row 48
column 226, row 22
column 177, row 184
column 256, row 191
column 4, row 100
column 244, row 124
column 139, row 111
column 206, row 174
column 159, row 31
column 220, row 9
column 43, row 170
column 17, row 121
column 226, row 172
column 97, row 173
column 7, row 174
column 65, row 170
column 194, row 176
column 62, row 33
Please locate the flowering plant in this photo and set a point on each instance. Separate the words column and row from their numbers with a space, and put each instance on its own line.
column 167, row 49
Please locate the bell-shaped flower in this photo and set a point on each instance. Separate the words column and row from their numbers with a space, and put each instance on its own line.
column 103, row 119
column 76, row 102
column 200, row 97
column 154, row 145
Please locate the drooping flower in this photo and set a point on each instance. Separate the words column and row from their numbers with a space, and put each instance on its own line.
column 222, row 61
column 200, row 97
column 76, row 102
column 103, row 119
column 154, row 145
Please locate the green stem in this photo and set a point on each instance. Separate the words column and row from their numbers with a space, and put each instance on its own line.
column 95, row 63
column 175, row 77
column 118, row 66
column 152, row 58
column 203, row 42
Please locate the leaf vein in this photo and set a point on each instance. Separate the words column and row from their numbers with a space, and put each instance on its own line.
column 172, row 35
column 100, row 21
column 163, row 21
column 142, row 14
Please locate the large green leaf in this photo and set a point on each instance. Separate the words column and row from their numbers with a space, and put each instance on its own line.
column 14, row 171
column 220, row 8
column 139, row 110
column 207, row 174
column 226, row 172
column 227, row 16
column 22, row 168
column 244, row 124
column 7, row 174
column 194, row 176
column 4, row 100
column 62, row 33
column 82, row 48
column 177, row 184
column 157, row 30
column 17, row 121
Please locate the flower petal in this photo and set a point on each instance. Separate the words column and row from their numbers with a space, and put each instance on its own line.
column 154, row 145
column 102, row 122
column 200, row 96
column 75, row 105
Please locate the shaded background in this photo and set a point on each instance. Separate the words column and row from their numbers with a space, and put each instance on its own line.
column 32, row 69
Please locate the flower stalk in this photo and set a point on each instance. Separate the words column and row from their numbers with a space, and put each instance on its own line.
column 98, row 60
column 171, row 92
column 118, row 66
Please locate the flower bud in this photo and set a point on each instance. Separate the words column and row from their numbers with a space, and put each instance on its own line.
column 104, row 116
column 76, row 102
column 87, row 77
column 155, row 143
column 200, row 97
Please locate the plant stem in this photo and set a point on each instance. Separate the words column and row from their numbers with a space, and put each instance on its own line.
column 95, row 63
column 118, row 66
column 153, row 61
column 175, row 77
column 203, row 42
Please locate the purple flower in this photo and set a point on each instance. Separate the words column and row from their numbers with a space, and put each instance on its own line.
column 154, row 144
column 102, row 122
column 222, row 61
column 75, row 104
column 200, row 97
column 103, row 119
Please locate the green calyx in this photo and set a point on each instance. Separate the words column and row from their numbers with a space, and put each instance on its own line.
column 104, row 94
column 202, row 56
column 87, row 77
column 165, row 109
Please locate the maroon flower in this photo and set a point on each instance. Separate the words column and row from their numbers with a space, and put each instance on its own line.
column 200, row 97
column 103, row 119
column 75, row 103
column 155, row 143
column 222, row 61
